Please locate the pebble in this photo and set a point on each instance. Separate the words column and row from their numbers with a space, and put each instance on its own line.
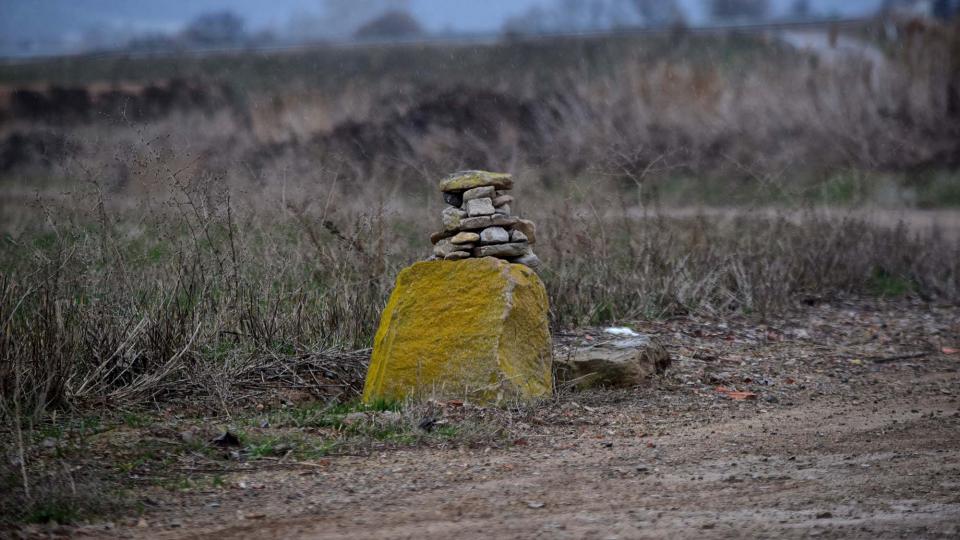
column 479, row 207
column 483, row 192
column 457, row 255
column 517, row 236
column 494, row 235
column 517, row 249
column 465, row 238
column 505, row 210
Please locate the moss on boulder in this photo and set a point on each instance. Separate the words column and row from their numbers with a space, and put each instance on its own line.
column 474, row 329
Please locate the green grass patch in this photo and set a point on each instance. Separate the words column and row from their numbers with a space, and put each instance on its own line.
column 884, row 284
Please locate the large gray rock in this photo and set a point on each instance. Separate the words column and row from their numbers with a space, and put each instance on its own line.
column 619, row 363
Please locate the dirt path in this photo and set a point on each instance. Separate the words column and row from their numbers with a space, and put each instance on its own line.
column 853, row 434
column 890, row 468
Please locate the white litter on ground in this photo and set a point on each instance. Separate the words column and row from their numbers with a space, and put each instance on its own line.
column 620, row 331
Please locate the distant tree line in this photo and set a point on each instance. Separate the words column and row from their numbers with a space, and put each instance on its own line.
column 368, row 20
column 222, row 29
column 577, row 15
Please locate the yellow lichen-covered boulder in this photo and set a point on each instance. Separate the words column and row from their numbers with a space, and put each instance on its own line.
column 475, row 329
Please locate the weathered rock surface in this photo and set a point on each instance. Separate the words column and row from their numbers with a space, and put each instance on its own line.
column 456, row 255
column 517, row 235
column 528, row 229
column 464, row 180
column 479, row 207
column 452, row 218
column 501, row 200
column 482, row 222
column 494, row 235
column 445, row 247
column 475, row 329
column 517, row 249
column 498, row 220
column 465, row 238
column 484, row 192
column 530, row 259
column 620, row 363
column 474, row 223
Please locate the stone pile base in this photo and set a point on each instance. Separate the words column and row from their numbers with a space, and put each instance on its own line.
column 474, row 329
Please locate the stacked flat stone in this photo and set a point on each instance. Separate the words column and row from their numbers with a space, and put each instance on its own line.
column 477, row 221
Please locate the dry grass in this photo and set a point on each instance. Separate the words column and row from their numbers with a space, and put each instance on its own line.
column 210, row 299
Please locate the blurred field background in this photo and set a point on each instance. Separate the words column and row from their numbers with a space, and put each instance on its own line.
column 176, row 224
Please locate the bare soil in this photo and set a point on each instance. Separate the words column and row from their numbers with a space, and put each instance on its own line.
column 854, row 431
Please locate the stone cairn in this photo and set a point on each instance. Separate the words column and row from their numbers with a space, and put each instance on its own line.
column 477, row 221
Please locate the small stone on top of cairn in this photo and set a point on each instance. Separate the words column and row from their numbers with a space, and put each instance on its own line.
column 478, row 223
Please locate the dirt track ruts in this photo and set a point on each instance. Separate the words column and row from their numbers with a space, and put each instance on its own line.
column 882, row 464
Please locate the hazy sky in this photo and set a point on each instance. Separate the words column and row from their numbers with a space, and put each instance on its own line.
column 54, row 19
